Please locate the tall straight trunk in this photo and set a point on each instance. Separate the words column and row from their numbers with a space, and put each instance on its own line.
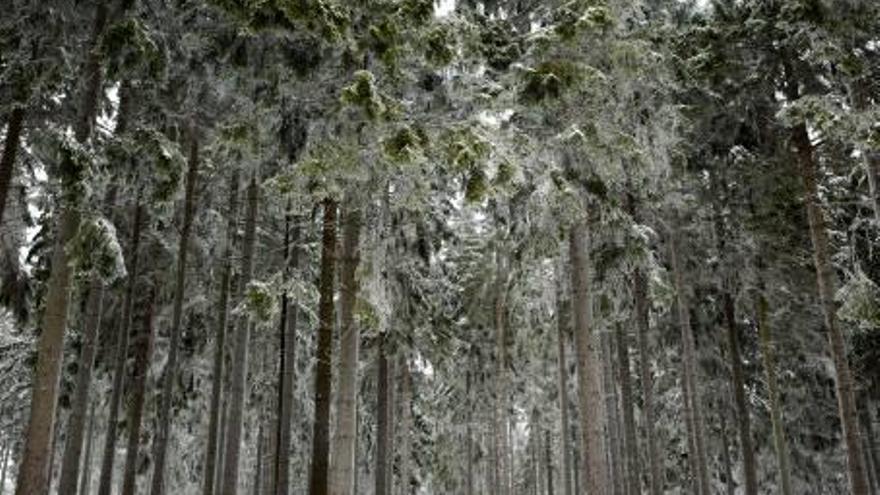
column 323, row 371
column 406, row 394
column 589, row 365
column 630, row 445
column 258, row 467
column 500, row 410
column 871, row 419
column 615, row 469
column 214, row 423
column 768, row 355
column 563, row 319
column 14, row 126
column 286, row 387
column 76, row 423
column 826, row 281
column 235, row 417
column 121, row 354
column 693, row 410
column 739, row 396
column 33, row 471
column 86, row 476
column 868, row 429
column 383, row 450
column 642, row 323
column 170, row 374
column 94, row 306
column 5, row 460
column 729, row 484
column 142, row 345
column 469, row 431
column 548, row 460
column 221, row 447
column 343, row 457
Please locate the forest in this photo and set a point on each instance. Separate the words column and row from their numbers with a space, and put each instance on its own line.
column 417, row 247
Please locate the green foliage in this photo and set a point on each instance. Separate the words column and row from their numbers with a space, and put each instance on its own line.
column 128, row 46
column 576, row 17
column 419, row 12
column 440, row 45
column 76, row 163
column 260, row 300
column 499, row 44
column 166, row 159
column 549, row 80
column 476, row 187
column 95, row 250
column 406, row 145
column 385, row 39
column 465, row 149
column 363, row 93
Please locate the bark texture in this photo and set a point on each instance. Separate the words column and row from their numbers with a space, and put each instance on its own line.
column 563, row 319
column 14, row 127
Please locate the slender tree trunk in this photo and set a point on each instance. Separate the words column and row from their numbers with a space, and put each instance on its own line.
column 323, row 371
column 383, row 450
column 142, row 346
column 121, row 354
column 33, row 471
column 868, row 430
column 288, row 367
column 739, row 396
column 86, row 476
column 235, row 417
column 406, row 394
column 501, row 406
column 630, row 445
column 872, row 439
column 343, row 457
column 14, row 126
column 214, row 423
column 563, row 319
column 170, row 374
column 730, row 486
column 692, row 405
column 642, row 321
column 221, row 447
column 548, row 460
column 589, row 365
column 5, row 457
column 258, row 468
column 615, row 458
column 469, row 431
column 768, row 355
column 826, row 281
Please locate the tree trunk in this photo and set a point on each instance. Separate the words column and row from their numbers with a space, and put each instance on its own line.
column 768, row 354
column 170, row 374
column 33, row 471
column 501, row 406
column 469, row 431
column 615, row 467
column 86, row 476
column 630, row 445
column 214, row 423
column 76, row 423
column 383, row 450
column 590, row 393
column 692, row 405
column 235, row 417
column 729, row 484
column 121, row 354
column 288, row 368
column 548, row 460
column 405, row 444
column 343, row 457
column 323, row 370
column 142, row 346
column 258, row 468
column 563, row 319
column 10, row 149
column 826, row 282
column 739, row 396
column 5, row 459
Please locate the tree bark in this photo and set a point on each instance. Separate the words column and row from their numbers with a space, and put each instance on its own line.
column 406, row 394
column 343, row 457
column 739, row 396
column 214, row 423
column 170, row 373
column 121, row 354
column 501, row 406
column 826, row 282
column 615, row 468
column 693, row 410
column 768, row 355
column 258, row 468
column 563, row 319
column 288, row 367
column 33, row 471
column 5, row 459
column 235, row 417
column 630, row 445
column 323, row 370
column 383, row 428
column 86, row 476
column 14, row 127
column 142, row 346
column 729, row 484
column 590, row 393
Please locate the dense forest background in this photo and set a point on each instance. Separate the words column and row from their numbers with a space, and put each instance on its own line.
column 504, row 247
